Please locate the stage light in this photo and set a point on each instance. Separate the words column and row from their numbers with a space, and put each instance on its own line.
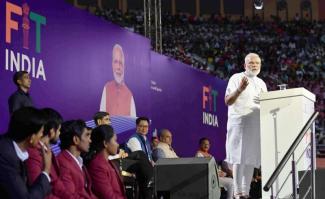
column 258, row 4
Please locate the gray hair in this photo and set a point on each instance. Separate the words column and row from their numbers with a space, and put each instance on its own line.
column 250, row 55
column 118, row 47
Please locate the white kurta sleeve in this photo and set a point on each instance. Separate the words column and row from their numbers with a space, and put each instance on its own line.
column 134, row 144
column 133, row 110
column 264, row 87
column 232, row 85
column 199, row 155
column 103, row 101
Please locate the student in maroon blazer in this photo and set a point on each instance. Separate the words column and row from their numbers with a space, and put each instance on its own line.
column 107, row 182
column 35, row 161
column 75, row 139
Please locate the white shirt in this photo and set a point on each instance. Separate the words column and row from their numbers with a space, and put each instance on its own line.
column 199, row 155
column 134, row 144
column 166, row 150
column 113, row 157
column 78, row 160
column 23, row 155
column 243, row 125
column 245, row 103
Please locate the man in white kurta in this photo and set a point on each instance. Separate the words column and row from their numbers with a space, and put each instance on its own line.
column 164, row 148
column 243, row 127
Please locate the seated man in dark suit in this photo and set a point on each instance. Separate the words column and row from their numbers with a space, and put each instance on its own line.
column 75, row 139
column 25, row 130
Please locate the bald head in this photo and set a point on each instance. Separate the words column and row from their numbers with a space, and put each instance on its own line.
column 165, row 136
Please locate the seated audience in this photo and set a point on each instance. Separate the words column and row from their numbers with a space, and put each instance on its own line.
column 154, row 142
column 225, row 182
column 25, row 130
column 75, row 139
column 101, row 118
column 139, row 141
column 164, row 148
column 135, row 162
column 35, row 162
column 107, row 182
column 256, row 185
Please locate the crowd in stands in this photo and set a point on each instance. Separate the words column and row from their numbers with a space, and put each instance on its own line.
column 292, row 53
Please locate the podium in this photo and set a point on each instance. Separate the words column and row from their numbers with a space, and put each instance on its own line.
column 283, row 114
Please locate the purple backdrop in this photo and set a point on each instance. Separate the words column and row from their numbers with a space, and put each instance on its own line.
column 76, row 49
column 76, row 52
column 177, row 104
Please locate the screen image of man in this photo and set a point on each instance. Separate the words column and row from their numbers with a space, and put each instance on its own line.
column 117, row 99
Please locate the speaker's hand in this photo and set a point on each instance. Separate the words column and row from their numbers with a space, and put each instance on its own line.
column 256, row 99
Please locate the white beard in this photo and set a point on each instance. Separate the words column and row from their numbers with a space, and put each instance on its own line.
column 250, row 73
column 118, row 79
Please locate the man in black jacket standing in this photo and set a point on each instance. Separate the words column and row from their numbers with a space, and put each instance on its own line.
column 21, row 97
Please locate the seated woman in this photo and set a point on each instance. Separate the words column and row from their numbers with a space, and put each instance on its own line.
column 225, row 182
column 107, row 182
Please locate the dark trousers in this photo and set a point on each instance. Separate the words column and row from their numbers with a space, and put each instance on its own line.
column 137, row 162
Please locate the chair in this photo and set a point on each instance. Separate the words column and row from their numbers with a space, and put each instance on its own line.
column 129, row 179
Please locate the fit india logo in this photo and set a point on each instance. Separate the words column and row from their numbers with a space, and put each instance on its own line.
column 209, row 106
column 18, row 22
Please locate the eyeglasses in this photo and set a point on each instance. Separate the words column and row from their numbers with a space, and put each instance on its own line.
column 143, row 126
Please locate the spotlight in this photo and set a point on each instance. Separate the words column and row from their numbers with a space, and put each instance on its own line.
column 258, row 4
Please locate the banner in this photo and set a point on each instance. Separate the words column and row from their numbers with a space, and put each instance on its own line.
column 68, row 54
column 190, row 104
column 80, row 64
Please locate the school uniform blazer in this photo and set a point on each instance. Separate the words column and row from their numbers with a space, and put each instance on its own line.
column 107, row 182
